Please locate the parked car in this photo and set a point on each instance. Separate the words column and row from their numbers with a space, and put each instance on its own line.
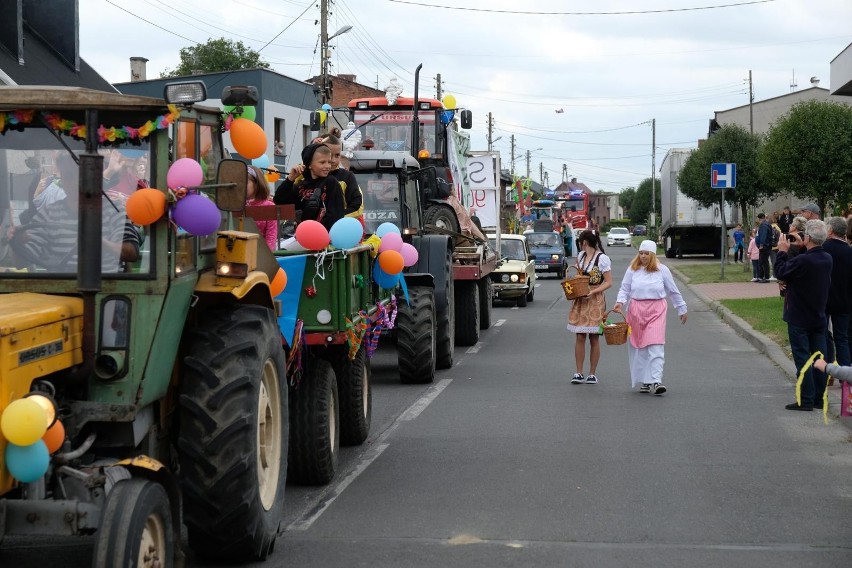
column 514, row 280
column 618, row 236
column 549, row 251
column 639, row 230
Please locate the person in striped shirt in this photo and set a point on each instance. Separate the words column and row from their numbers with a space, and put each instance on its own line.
column 646, row 285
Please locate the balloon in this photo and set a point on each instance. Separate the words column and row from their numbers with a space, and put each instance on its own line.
column 383, row 279
column 23, row 422
column 27, row 463
column 272, row 177
column 54, row 437
column 449, row 101
column 447, row 116
column 249, row 112
column 386, row 228
column 391, row 262
column 326, row 107
column 185, row 172
column 323, row 115
column 262, row 162
column 145, row 206
column 248, row 138
column 391, row 241
column 197, row 215
column 346, row 233
column 278, row 283
column 409, row 254
column 312, row 235
column 47, row 404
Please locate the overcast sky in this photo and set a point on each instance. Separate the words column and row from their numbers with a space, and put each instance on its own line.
column 611, row 71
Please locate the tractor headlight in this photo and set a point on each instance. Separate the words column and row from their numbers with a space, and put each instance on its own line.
column 231, row 269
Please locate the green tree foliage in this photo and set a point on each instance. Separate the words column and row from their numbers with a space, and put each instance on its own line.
column 216, row 55
column 730, row 144
column 641, row 206
column 625, row 199
column 808, row 152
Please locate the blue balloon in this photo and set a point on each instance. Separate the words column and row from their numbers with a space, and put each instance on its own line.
column 27, row 463
column 386, row 228
column 326, row 107
column 383, row 279
column 346, row 233
column 261, row 162
column 447, row 116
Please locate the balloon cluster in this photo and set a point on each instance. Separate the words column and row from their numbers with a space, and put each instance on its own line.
column 394, row 255
column 33, row 433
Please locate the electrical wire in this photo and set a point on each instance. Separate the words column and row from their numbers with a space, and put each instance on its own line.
column 614, row 13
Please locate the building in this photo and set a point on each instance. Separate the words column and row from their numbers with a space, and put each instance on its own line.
column 344, row 88
column 42, row 47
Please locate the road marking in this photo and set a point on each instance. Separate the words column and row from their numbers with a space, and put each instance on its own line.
column 475, row 348
column 498, row 323
column 334, row 491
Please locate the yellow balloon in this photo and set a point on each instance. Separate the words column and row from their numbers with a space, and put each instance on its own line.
column 323, row 115
column 24, row 422
column 449, row 101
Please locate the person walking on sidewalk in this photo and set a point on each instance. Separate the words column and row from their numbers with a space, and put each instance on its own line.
column 754, row 256
column 739, row 243
column 588, row 312
column 646, row 284
column 808, row 278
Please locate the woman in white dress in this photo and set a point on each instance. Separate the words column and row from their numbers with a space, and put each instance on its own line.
column 587, row 312
column 646, row 284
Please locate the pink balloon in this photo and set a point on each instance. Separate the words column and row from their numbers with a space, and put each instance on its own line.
column 409, row 255
column 391, row 241
column 185, row 172
column 312, row 235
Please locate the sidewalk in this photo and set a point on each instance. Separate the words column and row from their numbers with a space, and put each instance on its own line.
column 710, row 294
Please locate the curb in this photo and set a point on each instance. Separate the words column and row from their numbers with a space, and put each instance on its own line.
column 760, row 342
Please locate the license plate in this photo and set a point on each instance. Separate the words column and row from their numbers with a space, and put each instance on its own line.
column 541, row 266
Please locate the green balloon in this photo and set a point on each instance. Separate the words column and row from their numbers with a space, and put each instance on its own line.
column 249, row 112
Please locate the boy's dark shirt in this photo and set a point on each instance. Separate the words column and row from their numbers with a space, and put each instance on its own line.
column 297, row 193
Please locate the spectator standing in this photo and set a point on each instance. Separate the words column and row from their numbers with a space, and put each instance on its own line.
column 646, row 284
column 773, row 252
column 810, row 211
column 785, row 219
column 764, row 245
column 808, row 279
column 754, row 256
column 838, row 306
column 739, row 243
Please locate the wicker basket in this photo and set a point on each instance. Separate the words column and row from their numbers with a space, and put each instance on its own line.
column 615, row 333
column 576, row 286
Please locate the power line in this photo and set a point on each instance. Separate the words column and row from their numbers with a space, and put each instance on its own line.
column 615, row 13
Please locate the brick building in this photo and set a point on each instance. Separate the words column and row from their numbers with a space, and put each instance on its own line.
column 344, row 88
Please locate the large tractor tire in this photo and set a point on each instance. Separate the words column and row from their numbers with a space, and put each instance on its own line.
column 441, row 216
column 233, row 436
column 467, row 312
column 415, row 336
column 485, row 301
column 315, row 424
column 354, row 386
column 136, row 527
column 445, row 339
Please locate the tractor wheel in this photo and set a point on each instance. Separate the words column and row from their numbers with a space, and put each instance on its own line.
column 445, row 339
column 441, row 216
column 485, row 293
column 314, row 431
column 232, row 442
column 136, row 527
column 467, row 312
column 415, row 336
column 354, row 386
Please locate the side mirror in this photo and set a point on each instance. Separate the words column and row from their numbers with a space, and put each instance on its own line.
column 232, row 178
column 466, row 119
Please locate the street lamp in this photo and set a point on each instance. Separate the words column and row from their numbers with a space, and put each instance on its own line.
column 325, row 56
column 491, row 142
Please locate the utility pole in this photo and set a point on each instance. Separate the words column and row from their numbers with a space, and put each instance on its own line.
column 490, row 131
column 528, row 164
column 541, row 173
column 323, row 52
column 750, row 104
column 438, row 88
column 564, row 172
column 654, row 174
column 512, row 166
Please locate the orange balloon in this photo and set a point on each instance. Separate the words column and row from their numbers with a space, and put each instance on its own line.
column 54, row 436
column 391, row 262
column 272, row 177
column 146, row 205
column 278, row 283
column 248, row 138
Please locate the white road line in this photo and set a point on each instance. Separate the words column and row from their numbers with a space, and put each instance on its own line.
column 334, row 491
column 498, row 323
column 475, row 348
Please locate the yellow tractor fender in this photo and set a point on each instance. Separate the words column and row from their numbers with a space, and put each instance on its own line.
column 253, row 289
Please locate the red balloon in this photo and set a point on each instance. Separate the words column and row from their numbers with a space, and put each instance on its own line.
column 391, row 262
column 248, row 138
column 278, row 283
column 312, row 235
column 146, row 205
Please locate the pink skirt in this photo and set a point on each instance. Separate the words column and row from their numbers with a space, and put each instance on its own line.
column 647, row 319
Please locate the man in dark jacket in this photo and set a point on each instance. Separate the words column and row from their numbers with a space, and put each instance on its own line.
column 838, row 307
column 764, row 247
column 808, row 278
column 785, row 219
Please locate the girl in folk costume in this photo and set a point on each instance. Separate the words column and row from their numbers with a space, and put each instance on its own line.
column 646, row 284
column 587, row 313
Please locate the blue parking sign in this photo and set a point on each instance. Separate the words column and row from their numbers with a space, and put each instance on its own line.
column 723, row 176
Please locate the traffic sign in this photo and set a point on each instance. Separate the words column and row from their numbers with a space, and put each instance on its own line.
column 723, row 176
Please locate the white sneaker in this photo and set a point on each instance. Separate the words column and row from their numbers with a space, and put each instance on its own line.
column 755, row 279
column 772, row 279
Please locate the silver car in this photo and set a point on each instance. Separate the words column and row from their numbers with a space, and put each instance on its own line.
column 619, row 236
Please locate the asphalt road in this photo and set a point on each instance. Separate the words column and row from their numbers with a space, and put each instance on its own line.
column 503, row 462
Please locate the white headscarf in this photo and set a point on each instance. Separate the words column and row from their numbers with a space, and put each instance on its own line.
column 649, row 246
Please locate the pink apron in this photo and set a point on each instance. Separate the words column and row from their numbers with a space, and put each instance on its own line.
column 647, row 319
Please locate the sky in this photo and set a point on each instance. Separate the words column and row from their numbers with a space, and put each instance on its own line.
column 577, row 83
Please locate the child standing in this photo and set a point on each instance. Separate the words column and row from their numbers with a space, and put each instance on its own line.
column 739, row 243
column 315, row 167
column 754, row 256
column 257, row 193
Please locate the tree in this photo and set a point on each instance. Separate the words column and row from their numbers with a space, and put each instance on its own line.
column 808, row 152
column 641, row 206
column 216, row 55
column 730, row 144
column 625, row 200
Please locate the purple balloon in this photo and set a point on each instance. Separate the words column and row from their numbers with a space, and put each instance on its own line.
column 409, row 255
column 185, row 172
column 197, row 215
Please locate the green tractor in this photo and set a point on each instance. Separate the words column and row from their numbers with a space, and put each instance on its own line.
column 153, row 356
